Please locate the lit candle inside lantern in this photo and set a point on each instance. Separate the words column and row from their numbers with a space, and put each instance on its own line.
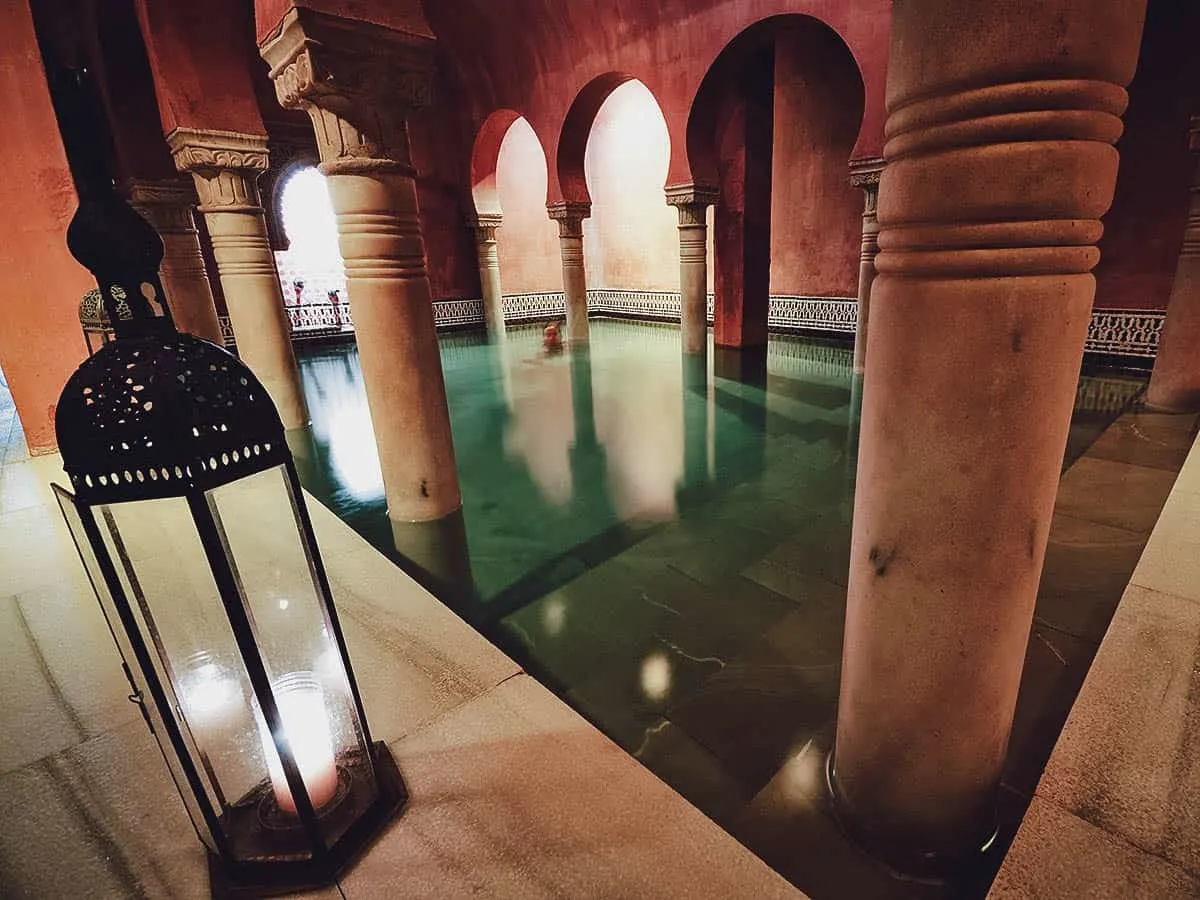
column 307, row 734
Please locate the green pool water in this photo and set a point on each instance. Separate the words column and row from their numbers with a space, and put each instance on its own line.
column 663, row 546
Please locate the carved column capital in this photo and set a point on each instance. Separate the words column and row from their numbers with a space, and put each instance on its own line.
column 165, row 203
column 484, row 225
column 225, row 166
column 357, row 81
column 864, row 173
column 569, row 217
column 692, row 201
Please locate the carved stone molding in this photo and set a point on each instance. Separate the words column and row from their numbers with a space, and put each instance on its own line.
column 484, row 225
column 357, row 81
column 569, row 217
column 165, row 204
column 864, row 173
column 692, row 195
column 225, row 166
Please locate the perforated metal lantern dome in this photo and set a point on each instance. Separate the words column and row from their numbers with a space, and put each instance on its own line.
column 189, row 516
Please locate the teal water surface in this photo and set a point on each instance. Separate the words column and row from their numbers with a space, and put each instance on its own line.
column 664, row 546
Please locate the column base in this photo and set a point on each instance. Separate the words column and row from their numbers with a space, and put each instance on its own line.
column 435, row 553
column 908, row 860
column 1189, row 405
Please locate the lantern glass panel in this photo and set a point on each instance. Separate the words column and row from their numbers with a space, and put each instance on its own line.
column 176, row 604
column 269, row 552
column 75, row 516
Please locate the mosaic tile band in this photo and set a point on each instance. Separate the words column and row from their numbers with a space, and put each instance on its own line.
column 1117, row 332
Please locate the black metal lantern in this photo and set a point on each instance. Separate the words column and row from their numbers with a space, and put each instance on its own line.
column 189, row 517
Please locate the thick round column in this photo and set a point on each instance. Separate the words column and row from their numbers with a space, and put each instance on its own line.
column 358, row 82
column 570, row 218
column 989, row 212
column 380, row 237
column 225, row 167
column 167, row 205
column 693, row 203
column 485, row 226
column 1175, row 383
column 865, row 174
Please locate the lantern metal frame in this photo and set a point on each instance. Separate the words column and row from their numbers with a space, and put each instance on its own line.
column 156, row 414
column 94, row 321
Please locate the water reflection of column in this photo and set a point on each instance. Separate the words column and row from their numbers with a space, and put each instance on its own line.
column 570, row 218
column 864, row 173
column 695, row 420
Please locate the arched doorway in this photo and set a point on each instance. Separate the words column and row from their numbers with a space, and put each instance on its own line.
column 311, row 271
column 773, row 125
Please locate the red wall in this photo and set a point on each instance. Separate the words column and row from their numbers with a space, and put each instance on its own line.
column 40, row 283
column 1143, row 231
column 816, row 216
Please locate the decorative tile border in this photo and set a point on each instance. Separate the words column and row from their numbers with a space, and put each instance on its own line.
column 532, row 307
column 1125, row 332
column 1116, row 332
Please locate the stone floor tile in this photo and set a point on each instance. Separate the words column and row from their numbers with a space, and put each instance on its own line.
column 1114, row 493
column 515, row 796
column 1057, row 856
column 1128, row 760
column 61, row 674
column 1156, row 440
column 1171, row 560
column 1086, row 570
column 102, row 820
column 412, row 657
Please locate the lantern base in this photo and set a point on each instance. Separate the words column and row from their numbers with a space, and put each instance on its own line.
column 267, row 877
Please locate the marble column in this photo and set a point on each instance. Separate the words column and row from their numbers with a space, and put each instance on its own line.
column 225, row 167
column 864, row 173
column 1000, row 163
column 693, row 202
column 167, row 205
column 358, row 82
column 570, row 218
column 1175, row 382
column 484, row 225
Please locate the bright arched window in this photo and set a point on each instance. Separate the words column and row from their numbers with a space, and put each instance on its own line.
column 312, row 265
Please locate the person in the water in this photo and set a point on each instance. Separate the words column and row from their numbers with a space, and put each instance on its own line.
column 552, row 339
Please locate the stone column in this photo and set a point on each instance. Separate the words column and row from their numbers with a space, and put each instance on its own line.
column 570, row 218
column 167, row 205
column 225, row 167
column 999, row 166
column 484, row 226
column 864, row 173
column 1175, row 382
column 358, row 82
column 693, row 202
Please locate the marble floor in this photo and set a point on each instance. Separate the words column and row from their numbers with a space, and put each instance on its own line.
column 1116, row 813
column 667, row 549
column 512, row 794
